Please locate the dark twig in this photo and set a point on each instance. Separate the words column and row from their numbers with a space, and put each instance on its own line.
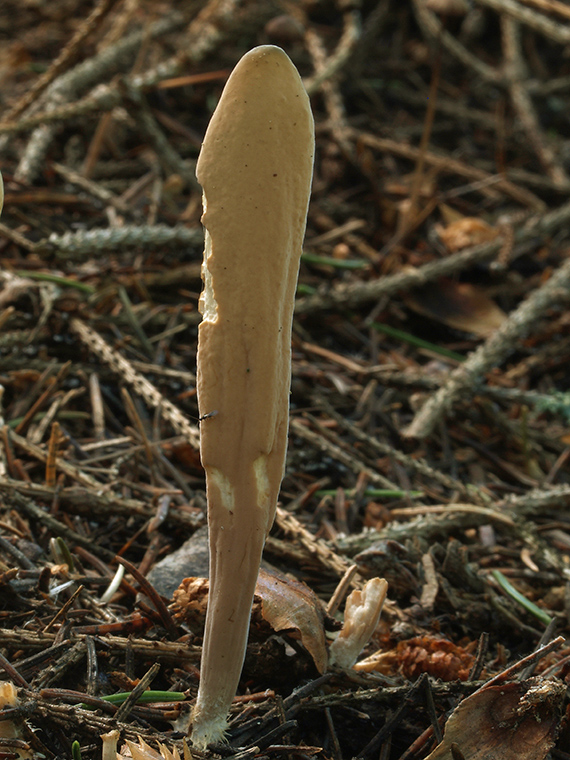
column 148, row 590
column 124, row 710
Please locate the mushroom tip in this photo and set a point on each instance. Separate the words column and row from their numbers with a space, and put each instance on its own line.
column 266, row 50
column 270, row 58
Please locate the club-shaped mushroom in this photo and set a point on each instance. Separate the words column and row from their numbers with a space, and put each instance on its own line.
column 255, row 168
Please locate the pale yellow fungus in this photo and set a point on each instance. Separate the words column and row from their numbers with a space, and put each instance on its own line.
column 255, row 168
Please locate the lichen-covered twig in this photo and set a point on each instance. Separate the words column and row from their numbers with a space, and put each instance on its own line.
column 446, row 164
column 359, row 293
column 329, row 86
column 205, row 32
column 327, row 67
column 171, row 162
column 433, row 28
column 69, row 469
column 77, row 80
column 315, row 546
column 536, row 502
column 77, row 246
column 140, row 384
column 66, row 56
column 549, row 27
column 502, row 343
column 93, row 188
column 414, row 464
column 520, row 98
column 340, row 454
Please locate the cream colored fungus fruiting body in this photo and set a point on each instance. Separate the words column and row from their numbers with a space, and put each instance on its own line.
column 255, row 168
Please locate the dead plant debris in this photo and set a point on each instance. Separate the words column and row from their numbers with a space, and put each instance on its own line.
column 430, row 408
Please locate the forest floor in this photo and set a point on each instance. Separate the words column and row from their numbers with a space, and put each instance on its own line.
column 430, row 413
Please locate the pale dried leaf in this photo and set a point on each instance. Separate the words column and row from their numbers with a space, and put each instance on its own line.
column 513, row 721
column 458, row 305
column 288, row 605
column 143, row 751
column 361, row 615
column 11, row 729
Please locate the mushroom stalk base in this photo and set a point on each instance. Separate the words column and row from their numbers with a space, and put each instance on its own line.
column 227, row 628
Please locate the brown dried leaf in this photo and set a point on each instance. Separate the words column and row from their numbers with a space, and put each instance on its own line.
column 185, row 454
column 13, row 287
column 282, row 603
column 458, row 305
column 513, row 721
column 464, row 233
column 289, row 605
column 423, row 654
column 190, row 601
